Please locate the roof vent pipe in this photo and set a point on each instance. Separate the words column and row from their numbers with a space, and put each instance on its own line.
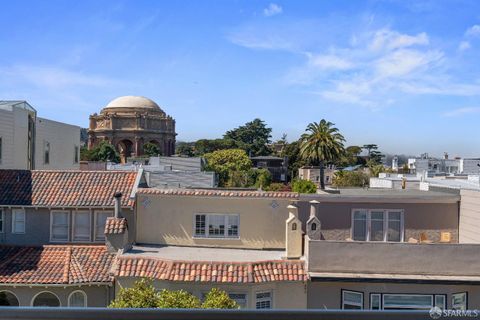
column 118, row 204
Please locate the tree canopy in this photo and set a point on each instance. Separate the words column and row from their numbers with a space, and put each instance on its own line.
column 104, row 151
column 228, row 164
column 253, row 137
column 304, row 186
column 151, row 149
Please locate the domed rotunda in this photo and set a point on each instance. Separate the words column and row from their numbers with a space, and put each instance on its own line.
column 128, row 123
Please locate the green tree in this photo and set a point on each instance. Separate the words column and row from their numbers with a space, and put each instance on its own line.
column 304, row 186
column 322, row 143
column 350, row 179
column 228, row 164
column 204, row 146
column 253, row 137
column 295, row 161
column 141, row 295
column 263, row 178
column 186, row 149
column 180, row 299
column 104, row 151
column 151, row 149
column 376, row 169
column 218, row 299
column 374, row 156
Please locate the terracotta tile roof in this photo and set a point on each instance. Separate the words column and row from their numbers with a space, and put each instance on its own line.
column 115, row 225
column 65, row 188
column 220, row 272
column 220, row 193
column 55, row 264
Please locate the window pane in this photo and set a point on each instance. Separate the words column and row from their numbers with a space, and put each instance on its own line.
column 18, row 221
column 216, row 226
column 233, row 226
column 1, row 220
column 77, row 299
column 101, row 218
column 60, row 226
column 375, row 302
column 352, row 297
column 440, row 301
column 396, row 301
column 81, row 231
column 46, row 299
column 376, row 228
column 239, row 298
column 459, row 301
column 394, row 226
column 360, row 225
column 200, row 225
column 263, row 300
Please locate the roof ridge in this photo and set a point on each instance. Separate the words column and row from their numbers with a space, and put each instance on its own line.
column 66, row 267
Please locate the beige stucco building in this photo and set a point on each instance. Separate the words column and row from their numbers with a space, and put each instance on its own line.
column 129, row 122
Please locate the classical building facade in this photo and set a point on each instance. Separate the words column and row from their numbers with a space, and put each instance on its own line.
column 129, row 122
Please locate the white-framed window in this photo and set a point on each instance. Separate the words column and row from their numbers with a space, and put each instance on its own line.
column 240, row 299
column 75, row 154
column 459, row 301
column 352, row 299
column 46, row 152
column 263, row 300
column 59, row 225
column 81, row 229
column 18, row 221
column 377, row 225
column 402, row 301
column 77, row 299
column 100, row 220
column 216, row 225
column 2, row 221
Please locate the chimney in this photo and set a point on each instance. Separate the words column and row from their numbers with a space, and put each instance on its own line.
column 445, row 155
column 116, row 229
column 294, row 234
column 118, row 204
column 313, row 223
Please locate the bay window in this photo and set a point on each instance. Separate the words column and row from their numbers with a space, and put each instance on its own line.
column 216, row 225
column 377, row 225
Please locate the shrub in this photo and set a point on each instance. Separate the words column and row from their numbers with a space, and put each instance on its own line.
column 304, row 186
column 218, row 299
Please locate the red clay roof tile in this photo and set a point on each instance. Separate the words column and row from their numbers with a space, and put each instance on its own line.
column 219, row 193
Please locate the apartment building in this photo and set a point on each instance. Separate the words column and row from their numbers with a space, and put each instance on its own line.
column 29, row 142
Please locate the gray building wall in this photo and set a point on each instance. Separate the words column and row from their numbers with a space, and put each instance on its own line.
column 37, row 227
column 97, row 295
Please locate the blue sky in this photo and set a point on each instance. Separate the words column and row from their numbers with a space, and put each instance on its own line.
column 402, row 74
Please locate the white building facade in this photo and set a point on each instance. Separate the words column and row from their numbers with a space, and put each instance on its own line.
column 29, row 142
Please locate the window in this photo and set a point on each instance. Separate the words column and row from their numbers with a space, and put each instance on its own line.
column 375, row 301
column 240, row 299
column 45, row 299
column 263, row 300
column 294, row 226
column 59, row 225
column 216, row 225
column 400, row 301
column 2, row 221
column 8, row 299
column 352, row 300
column 314, row 226
column 459, row 301
column 18, row 221
column 1, row 150
column 377, row 225
column 75, row 154
column 100, row 219
column 46, row 152
column 81, row 226
column 77, row 299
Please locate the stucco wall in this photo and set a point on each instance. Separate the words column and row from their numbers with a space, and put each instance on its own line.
column 97, row 296
column 37, row 227
column 428, row 218
column 170, row 220
column 62, row 138
column 469, row 217
column 286, row 295
column 327, row 295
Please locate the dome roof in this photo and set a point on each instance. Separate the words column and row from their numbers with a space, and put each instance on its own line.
column 133, row 102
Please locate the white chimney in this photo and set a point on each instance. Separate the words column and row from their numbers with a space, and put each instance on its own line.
column 313, row 223
column 294, row 234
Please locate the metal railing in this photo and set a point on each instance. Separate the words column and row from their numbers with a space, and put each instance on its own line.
column 184, row 314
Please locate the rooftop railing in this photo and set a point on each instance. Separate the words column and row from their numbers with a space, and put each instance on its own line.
column 23, row 313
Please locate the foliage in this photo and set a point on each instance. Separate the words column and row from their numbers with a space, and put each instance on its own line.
column 292, row 151
column 204, row 146
column 104, row 151
column 151, row 149
column 185, row 149
column 141, row 295
column 376, row 169
column 351, row 157
column 228, row 164
column 218, row 299
column 322, row 143
column 374, row 156
column 253, row 137
column 350, row 179
column 263, row 178
column 180, row 299
column 304, row 186
column 279, row 187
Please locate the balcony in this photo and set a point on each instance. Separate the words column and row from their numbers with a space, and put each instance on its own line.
column 390, row 260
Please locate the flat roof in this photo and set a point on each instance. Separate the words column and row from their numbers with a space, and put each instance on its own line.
column 203, row 253
column 383, row 276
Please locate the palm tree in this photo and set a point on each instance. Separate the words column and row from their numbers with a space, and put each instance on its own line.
column 321, row 143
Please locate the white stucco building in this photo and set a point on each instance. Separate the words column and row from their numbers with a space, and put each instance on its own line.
column 30, row 142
